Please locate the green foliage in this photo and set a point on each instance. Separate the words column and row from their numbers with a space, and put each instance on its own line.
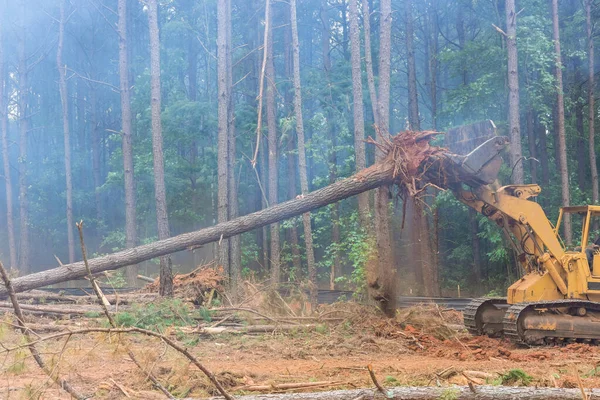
column 516, row 376
column 160, row 315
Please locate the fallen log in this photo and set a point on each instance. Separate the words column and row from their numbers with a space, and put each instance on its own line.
column 255, row 329
column 409, row 159
column 375, row 176
column 429, row 393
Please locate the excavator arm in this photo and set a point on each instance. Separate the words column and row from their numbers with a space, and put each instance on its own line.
column 557, row 298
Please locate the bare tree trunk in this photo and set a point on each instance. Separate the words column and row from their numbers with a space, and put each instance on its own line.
column 291, row 158
column 579, row 117
column 96, row 153
column 160, row 196
column 223, row 125
column 23, row 130
column 336, row 267
column 386, row 277
column 308, row 240
column 369, row 61
column 543, row 151
column 413, row 101
column 591, row 104
column 62, row 85
column 475, row 243
column 562, row 147
column 533, row 161
column 513, row 94
column 235, row 251
column 4, row 87
column 369, row 178
column 358, row 112
column 127, row 134
column 433, row 61
column 275, row 261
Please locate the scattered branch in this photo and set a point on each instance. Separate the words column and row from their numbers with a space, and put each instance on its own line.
column 62, row 383
column 109, row 316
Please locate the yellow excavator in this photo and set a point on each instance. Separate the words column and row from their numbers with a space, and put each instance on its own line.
column 558, row 297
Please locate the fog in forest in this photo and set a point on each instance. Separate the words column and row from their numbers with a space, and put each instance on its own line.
column 77, row 91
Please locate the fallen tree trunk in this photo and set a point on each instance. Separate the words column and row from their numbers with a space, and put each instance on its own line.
column 370, row 178
column 430, row 393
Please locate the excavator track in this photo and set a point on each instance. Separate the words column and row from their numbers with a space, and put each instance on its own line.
column 484, row 316
column 555, row 321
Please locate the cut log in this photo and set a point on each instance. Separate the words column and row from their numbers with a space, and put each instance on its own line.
column 428, row 393
column 370, row 178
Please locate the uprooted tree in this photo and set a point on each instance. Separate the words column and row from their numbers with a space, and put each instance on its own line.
column 409, row 158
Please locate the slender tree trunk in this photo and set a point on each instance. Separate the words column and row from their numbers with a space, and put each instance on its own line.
column 336, row 267
column 413, row 101
column 386, row 277
column 543, row 152
column 275, row 261
column 291, row 157
column 23, row 101
column 308, row 240
column 160, row 196
column 369, row 61
column 578, row 105
column 475, row 243
column 433, row 61
column 235, row 251
column 513, row 94
column 62, row 85
column 533, row 161
column 127, row 144
column 4, row 87
column 591, row 104
column 223, row 125
column 358, row 112
column 96, row 155
column 562, row 147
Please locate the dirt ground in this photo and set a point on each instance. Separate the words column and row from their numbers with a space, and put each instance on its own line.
column 423, row 346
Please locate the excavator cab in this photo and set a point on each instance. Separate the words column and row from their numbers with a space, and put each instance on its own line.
column 586, row 219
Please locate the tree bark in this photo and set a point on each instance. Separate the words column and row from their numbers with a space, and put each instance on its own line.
column 62, row 85
column 358, row 112
column 235, row 250
column 513, row 94
column 413, row 101
column 433, row 61
column 562, row 147
column 336, row 263
column 543, row 152
column 533, row 161
column 308, row 240
column 386, row 277
column 275, row 260
column 23, row 101
column 223, row 125
column 96, row 155
column 160, row 196
column 291, row 157
column 370, row 178
column 127, row 144
column 591, row 104
column 369, row 61
column 427, row 393
column 12, row 247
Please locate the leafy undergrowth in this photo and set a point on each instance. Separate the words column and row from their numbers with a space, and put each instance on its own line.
column 163, row 314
